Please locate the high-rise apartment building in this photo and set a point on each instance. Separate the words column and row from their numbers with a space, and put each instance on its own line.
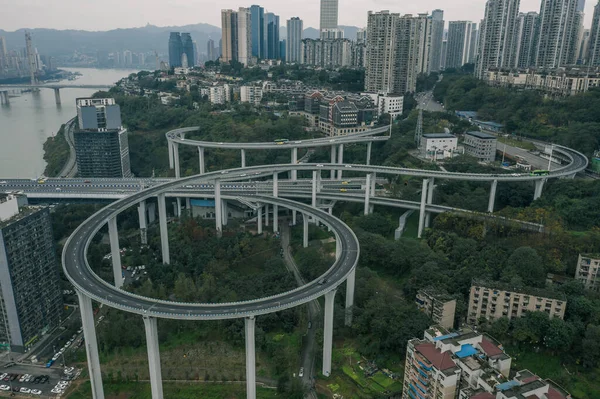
column 3, row 52
column 30, row 294
column 582, row 47
column 381, row 51
column 326, row 53
column 413, row 50
column 187, row 46
column 329, row 14
column 593, row 49
column 101, row 145
column 437, row 36
column 210, row 50
column 271, row 42
column 460, row 39
column 257, row 15
column 294, row 40
column 559, row 27
column 175, row 49
column 236, row 32
column 497, row 36
column 438, row 305
column 527, row 39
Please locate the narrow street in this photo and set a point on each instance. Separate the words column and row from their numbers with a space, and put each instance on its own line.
column 314, row 314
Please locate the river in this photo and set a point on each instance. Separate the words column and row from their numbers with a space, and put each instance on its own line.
column 31, row 118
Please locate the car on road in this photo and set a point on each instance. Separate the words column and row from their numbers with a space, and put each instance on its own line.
column 25, row 390
column 36, row 392
column 343, row 190
column 56, row 390
column 348, row 166
column 301, row 373
column 4, row 388
column 319, row 165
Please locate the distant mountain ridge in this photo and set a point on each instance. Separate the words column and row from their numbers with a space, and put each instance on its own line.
column 148, row 38
column 143, row 39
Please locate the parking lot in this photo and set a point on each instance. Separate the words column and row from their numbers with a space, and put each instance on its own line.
column 35, row 381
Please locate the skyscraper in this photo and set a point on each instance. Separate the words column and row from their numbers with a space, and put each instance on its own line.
column 497, row 36
column 593, row 50
column 175, row 49
column 31, row 58
column 329, row 14
column 294, row 40
column 271, row 43
column 381, row 51
column 101, row 145
column 459, row 43
column 210, row 50
column 244, row 39
column 258, row 31
column 229, row 36
column 413, row 38
column 3, row 52
column 437, row 35
column 30, row 293
column 559, row 26
column 526, row 39
column 188, row 49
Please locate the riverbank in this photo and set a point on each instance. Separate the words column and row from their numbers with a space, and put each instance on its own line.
column 59, row 74
column 56, row 153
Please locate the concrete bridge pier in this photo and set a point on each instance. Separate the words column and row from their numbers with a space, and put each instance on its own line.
column 367, row 193
column 328, row 332
column 176, row 160
column 243, row 158
column 250, row 325
column 294, row 218
column 91, row 345
column 333, row 157
column 218, row 209
column 275, row 206
column 57, row 95
column 170, row 147
column 115, row 251
column 539, row 186
column 373, row 181
column 294, row 175
column 201, row 159
column 314, row 190
column 492, row 200
column 188, row 206
column 429, row 200
column 259, row 220
column 422, row 209
column 340, row 160
column 143, row 222
column 266, row 215
column 350, row 283
column 164, row 233
column 305, row 230
column 369, row 145
column 225, row 212
column 4, row 97
column 153, row 357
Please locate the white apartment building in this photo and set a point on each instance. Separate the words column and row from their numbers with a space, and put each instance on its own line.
column 217, row 95
column 559, row 27
column 458, row 49
column 386, row 103
column 381, row 51
column 251, row 94
column 439, row 146
column 588, row 270
column 526, row 39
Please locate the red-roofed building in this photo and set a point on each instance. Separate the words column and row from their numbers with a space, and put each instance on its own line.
column 484, row 395
column 489, row 348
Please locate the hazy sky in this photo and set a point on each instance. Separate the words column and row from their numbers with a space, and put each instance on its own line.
column 111, row 14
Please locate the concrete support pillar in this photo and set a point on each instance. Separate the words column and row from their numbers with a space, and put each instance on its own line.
column 492, row 196
column 429, row 200
column 267, row 215
column 275, row 218
column 243, row 158
column 333, row 157
column 218, row 209
column 294, row 162
column 275, row 184
column 188, row 205
column 422, row 211
column 115, row 251
column 350, row 283
column 293, row 218
column 373, row 185
column 328, row 333
column 250, row 323
column 367, row 194
column 224, row 212
column 259, row 220
column 164, row 233
column 340, row 160
column 314, row 189
column 369, row 145
column 171, row 162
column 56, row 96
column 153, row 357
column 319, row 185
column 539, row 186
column 91, row 345
column 176, row 160
column 143, row 222
column 178, row 202
column 305, row 230
column 201, row 159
